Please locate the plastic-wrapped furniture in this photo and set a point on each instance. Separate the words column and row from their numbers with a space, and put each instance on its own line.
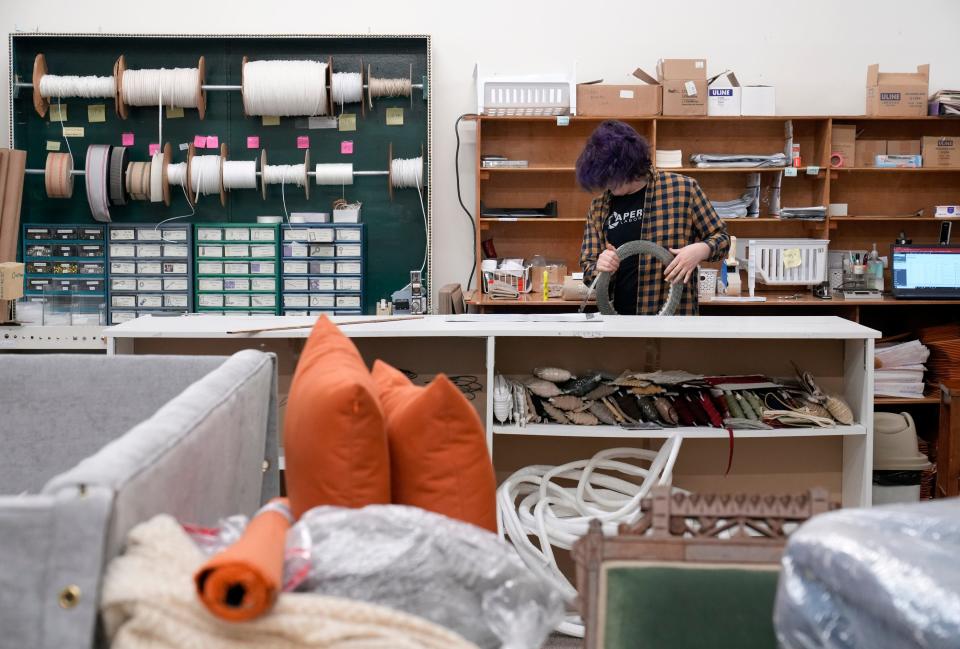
column 92, row 445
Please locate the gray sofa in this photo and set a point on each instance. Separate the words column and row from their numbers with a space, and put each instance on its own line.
column 91, row 445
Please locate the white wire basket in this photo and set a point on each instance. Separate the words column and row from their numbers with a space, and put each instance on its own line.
column 518, row 281
column 526, row 95
column 773, row 262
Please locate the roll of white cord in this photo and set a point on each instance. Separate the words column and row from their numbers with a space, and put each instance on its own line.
column 406, row 172
column 285, row 175
column 285, row 88
column 240, row 174
column 177, row 174
column 334, row 174
column 346, row 87
column 89, row 87
column 205, row 174
column 171, row 87
column 156, row 178
column 557, row 515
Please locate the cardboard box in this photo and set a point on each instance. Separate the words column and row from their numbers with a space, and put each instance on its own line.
column 723, row 95
column 684, row 84
column 610, row 100
column 903, row 147
column 758, row 100
column 866, row 152
column 843, row 141
column 897, row 94
column 11, row 280
column 941, row 151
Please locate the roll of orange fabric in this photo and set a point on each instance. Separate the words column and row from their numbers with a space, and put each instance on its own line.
column 242, row 582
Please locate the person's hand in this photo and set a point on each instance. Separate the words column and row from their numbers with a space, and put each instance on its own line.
column 608, row 261
column 685, row 262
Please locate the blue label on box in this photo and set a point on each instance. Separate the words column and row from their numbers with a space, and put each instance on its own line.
column 721, row 92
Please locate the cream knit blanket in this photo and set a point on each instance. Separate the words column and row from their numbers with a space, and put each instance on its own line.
column 149, row 602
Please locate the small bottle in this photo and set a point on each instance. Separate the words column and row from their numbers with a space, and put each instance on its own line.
column 875, row 269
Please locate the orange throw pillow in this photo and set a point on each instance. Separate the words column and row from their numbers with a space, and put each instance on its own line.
column 334, row 440
column 438, row 449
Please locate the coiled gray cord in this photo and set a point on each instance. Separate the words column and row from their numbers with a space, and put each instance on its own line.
column 629, row 249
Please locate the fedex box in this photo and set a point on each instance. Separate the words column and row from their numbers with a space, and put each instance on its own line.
column 897, row 94
column 684, row 84
column 723, row 95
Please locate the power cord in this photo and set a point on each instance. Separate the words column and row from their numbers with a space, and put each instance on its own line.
column 473, row 223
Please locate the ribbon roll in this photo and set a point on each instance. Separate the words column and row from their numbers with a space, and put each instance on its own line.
column 837, row 160
column 138, row 180
column 58, row 178
column 118, row 167
column 97, row 173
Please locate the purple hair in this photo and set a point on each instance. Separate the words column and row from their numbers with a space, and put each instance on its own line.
column 615, row 154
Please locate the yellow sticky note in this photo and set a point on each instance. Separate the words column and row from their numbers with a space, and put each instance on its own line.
column 173, row 112
column 73, row 131
column 348, row 122
column 96, row 113
column 271, row 120
column 395, row 116
column 791, row 257
column 53, row 145
column 58, row 112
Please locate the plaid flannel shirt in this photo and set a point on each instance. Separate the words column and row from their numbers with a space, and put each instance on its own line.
column 676, row 213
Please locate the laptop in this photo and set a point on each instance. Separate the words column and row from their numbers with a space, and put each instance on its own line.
column 925, row 271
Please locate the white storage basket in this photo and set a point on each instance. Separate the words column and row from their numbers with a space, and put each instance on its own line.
column 765, row 262
column 537, row 95
column 515, row 279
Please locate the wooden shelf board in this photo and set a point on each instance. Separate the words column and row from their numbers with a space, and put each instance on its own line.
column 902, row 170
column 769, row 219
column 708, row 118
column 538, row 220
column 526, row 299
column 691, row 432
column 898, row 401
column 530, row 169
column 729, row 170
column 892, row 218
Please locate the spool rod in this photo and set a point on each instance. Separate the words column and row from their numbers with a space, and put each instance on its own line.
column 206, row 86
column 81, row 172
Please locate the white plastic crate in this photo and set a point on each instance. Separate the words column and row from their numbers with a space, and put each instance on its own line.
column 514, row 279
column 766, row 262
column 524, row 95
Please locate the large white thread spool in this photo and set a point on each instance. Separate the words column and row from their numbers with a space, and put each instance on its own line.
column 406, row 172
column 334, row 174
column 284, row 175
column 48, row 86
column 347, row 87
column 177, row 87
column 285, row 88
column 239, row 174
column 205, row 174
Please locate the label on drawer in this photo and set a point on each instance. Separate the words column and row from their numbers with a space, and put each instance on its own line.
column 295, row 267
column 65, row 233
column 149, row 267
column 323, row 267
column 175, row 284
column 321, row 301
column 37, row 233
column 91, row 251
column 236, row 268
column 149, row 284
column 263, row 284
column 148, row 250
column 209, row 284
column 175, row 300
column 149, row 301
column 295, row 284
column 263, row 268
column 209, row 234
column 122, row 268
column 175, row 250
column 210, row 300
column 348, row 301
column 123, row 284
column 122, row 234
column 236, row 234
column 174, row 235
column 263, row 251
column 289, row 312
column 210, row 251
column 263, row 300
column 236, row 300
column 320, row 235
column 234, row 284
column 119, row 317
column 93, row 234
column 348, row 250
column 236, row 251
column 348, row 234
column 295, row 235
column 321, row 284
column 348, row 268
column 294, row 250
column 348, row 283
column 263, row 234
column 122, row 250
column 321, row 251
column 123, row 301
column 174, row 268
column 149, row 234
column 296, row 300
column 210, row 268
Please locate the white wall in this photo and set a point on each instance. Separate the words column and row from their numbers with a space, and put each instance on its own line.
column 815, row 52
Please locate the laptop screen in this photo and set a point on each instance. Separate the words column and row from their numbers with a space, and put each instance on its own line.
column 926, row 271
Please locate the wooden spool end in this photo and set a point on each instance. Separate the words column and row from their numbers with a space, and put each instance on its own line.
column 39, row 70
column 191, row 152
column 263, row 173
column 329, row 82
column 306, row 176
column 423, row 175
column 410, row 76
column 243, row 85
column 390, row 170
column 224, row 151
column 369, row 93
column 167, row 157
column 201, row 93
column 363, row 106
column 118, row 69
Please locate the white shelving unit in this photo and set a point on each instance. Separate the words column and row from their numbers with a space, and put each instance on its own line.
column 837, row 352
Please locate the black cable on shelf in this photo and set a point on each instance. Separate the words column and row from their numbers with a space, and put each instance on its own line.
column 473, row 223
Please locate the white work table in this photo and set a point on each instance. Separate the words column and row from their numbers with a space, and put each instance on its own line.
column 839, row 353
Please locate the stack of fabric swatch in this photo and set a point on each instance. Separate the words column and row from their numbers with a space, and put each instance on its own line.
column 814, row 213
column 899, row 369
column 669, row 158
column 747, row 205
column 720, row 160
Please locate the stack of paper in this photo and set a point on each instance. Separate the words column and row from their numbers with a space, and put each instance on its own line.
column 899, row 370
column 945, row 102
column 669, row 158
column 814, row 213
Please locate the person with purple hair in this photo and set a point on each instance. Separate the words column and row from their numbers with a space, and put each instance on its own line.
column 639, row 202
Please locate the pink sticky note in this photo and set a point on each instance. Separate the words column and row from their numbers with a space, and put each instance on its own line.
column 200, row 141
column 154, row 148
column 346, row 147
column 213, row 141
column 126, row 139
column 303, row 141
column 253, row 141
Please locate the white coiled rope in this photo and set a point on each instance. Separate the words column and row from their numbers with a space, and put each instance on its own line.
column 285, row 175
column 240, row 174
column 156, row 178
column 205, row 174
column 53, row 85
column 334, row 174
column 558, row 515
column 285, row 88
column 171, row 87
column 406, row 172
column 177, row 174
column 347, row 87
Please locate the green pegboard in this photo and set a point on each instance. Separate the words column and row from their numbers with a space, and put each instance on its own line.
column 395, row 229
